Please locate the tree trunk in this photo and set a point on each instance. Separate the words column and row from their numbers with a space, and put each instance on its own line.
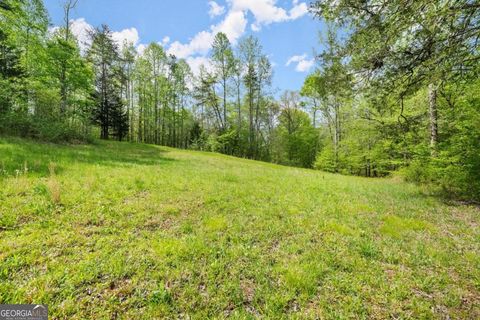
column 239, row 107
column 251, row 128
column 338, row 135
column 432, row 95
column 225, row 103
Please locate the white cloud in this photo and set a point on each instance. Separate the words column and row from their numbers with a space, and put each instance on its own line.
column 255, row 27
column 129, row 36
column 165, row 40
column 141, row 48
column 299, row 10
column 295, row 59
column 235, row 23
column 81, row 29
column 200, row 44
column 215, row 9
column 233, row 26
column 196, row 62
column 303, row 63
column 267, row 12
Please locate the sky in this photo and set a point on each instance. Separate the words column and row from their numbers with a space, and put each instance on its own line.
column 186, row 28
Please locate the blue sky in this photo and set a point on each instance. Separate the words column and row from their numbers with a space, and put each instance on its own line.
column 287, row 32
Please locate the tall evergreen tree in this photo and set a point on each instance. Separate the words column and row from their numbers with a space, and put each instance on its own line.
column 109, row 111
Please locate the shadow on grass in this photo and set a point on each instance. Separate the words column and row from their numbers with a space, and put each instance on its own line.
column 19, row 156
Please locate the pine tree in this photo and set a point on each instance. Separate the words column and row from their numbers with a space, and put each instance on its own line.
column 109, row 110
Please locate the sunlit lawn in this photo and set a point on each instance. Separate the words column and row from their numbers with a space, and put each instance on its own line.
column 117, row 230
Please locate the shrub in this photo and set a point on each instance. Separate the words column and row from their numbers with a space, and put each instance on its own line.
column 326, row 160
column 417, row 172
column 50, row 129
column 453, row 179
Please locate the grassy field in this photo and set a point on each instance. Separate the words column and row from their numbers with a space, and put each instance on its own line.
column 129, row 231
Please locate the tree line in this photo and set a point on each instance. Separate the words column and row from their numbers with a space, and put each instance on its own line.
column 395, row 89
column 54, row 91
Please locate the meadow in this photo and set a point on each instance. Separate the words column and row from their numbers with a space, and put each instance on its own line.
column 128, row 231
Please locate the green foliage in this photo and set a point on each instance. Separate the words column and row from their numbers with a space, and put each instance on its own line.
column 412, row 106
column 325, row 159
column 30, row 75
column 146, row 98
column 455, row 171
column 418, row 172
column 223, row 61
column 109, row 111
column 297, row 140
column 42, row 128
column 403, row 45
column 67, row 71
column 396, row 91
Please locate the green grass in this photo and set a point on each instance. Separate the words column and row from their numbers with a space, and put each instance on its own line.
column 130, row 231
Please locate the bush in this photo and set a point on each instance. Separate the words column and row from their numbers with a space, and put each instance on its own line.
column 48, row 129
column 326, row 160
column 418, row 172
column 454, row 180
column 224, row 143
column 212, row 144
column 20, row 125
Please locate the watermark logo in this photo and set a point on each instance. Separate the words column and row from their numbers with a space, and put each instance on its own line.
column 23, row 312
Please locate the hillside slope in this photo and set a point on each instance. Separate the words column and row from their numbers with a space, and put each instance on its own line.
column 129, row 231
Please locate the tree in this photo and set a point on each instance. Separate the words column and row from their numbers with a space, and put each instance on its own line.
column 37, row 66
column 182, row 76
column 238, row 81
column 312, row 91
column 11, row 69
column 224, row 64
column 297, row 138
column 108, row 112
column 4, row 5
column 250, row 51
column 128, row 57
column 404, row 45
column 67, row 7
column 158, row 64
column 207, row 97
column 331, row 84
column 29, row 24
column 72, row 74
